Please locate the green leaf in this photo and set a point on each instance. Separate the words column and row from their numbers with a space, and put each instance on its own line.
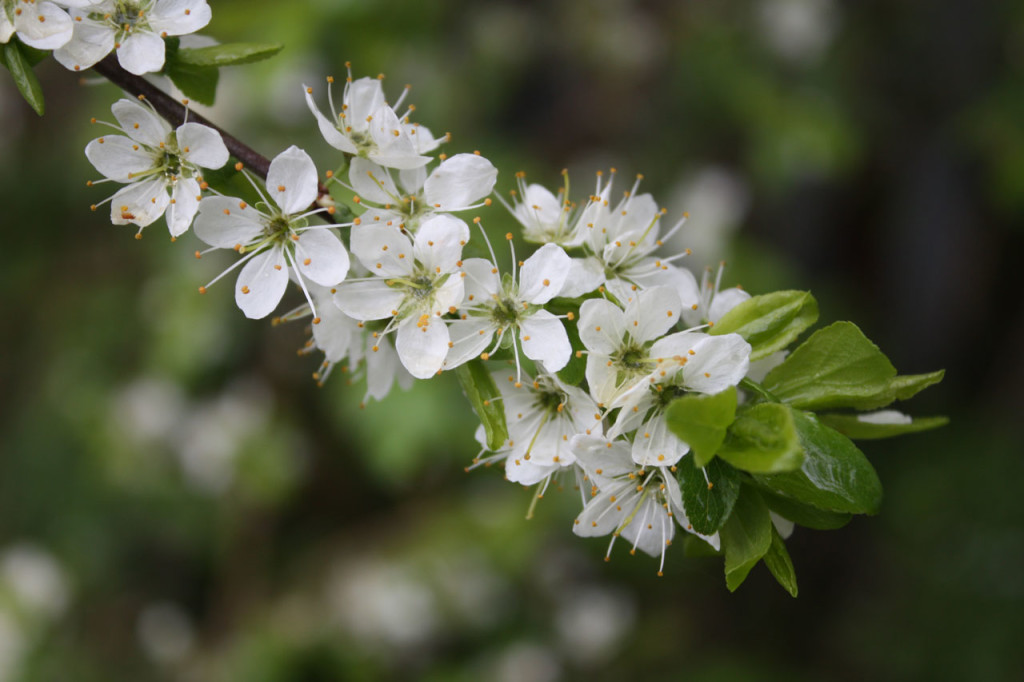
column 836, row 367
column 231, row 54
column 851, row 426
column 835, row 475
column 804, row 514
column 778, row 562
column 701, row 421
column 770, row 322
column 708, row 502
column 907, row 386
column 763, row 439
column 24, row 77
column 746, row 536
column 478, row 385
column 196, row 82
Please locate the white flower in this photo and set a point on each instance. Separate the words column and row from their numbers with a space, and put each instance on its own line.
column 160, row 165
column 543, row 416
column 622, row 344
column 135, row 28
column 546, row 219
column 687, row 362
column 638, row 503
column 275, row 239
column 414, row 283
column 712, row 302
column 457, row 184
column 495, row 305
column 40, row 24
column 367, row 127
column 620, row 242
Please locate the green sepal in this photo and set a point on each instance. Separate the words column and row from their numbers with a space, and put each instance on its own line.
column 746, row 536
column 17, row 62
column 770, row 322
column 835, row 475
column 708, row 502
column 701, row 421
column 852, row 427
column 778, row 562
column 763, row 439
column 231, row 54
column 479, row 387
column 804, row 514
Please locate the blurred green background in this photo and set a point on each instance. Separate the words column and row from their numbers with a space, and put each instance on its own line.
column 178, row 501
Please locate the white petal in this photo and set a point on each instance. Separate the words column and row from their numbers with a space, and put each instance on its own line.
column 654, row 312
column 602, row 378
column 527, row 472
column 292, row 180
column 601, row 462
column 885, row 417
column 178, row 17
column 141, row 53
column 262, row 283
column 651, row 529
column 422, row 345
column 603, row 514
column 118, row 158
column 545, row 340
column 183, row 206
column 439, row 242
column 382, row 368
column 540, row 210
column 369, row 300
column 585, row 275
column 365, row 96
column 724, row 301
column 448, row 296
column 759, row 369
column 44, row 27
column 784, row 526
column 139, row 203
column 469, row 338
column 6, row 27
column 89, row 43
column 655, row 445
column 394, row 148
column 140, row 122
column 601, row 326
column 718, row 362
column 412, row 179
column 321, row 257
column 202, row 145
column 543, row 274
column 328, row 129
column 226, row 222
column 459, row 181
column 372, row 183
column 382, row 249
column 481, row 282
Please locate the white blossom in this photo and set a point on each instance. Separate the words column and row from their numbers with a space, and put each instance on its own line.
column 135, row 28
column 546, row 218
column 159, row 164
column 414, row 283
column 712, row 301
column 367, row 127
column 275, row 239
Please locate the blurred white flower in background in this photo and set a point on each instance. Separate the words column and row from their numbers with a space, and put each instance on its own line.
column 798, row 30
column 165, row 633
column 717, row 200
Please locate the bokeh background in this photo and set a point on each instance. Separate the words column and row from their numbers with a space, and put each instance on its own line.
column 178, row 501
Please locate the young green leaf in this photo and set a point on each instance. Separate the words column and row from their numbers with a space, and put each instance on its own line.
column 746, row 536
column 701, row 421
column 231, row 54
column 24, row 77
column 770, row 322
column 836, row 367
column 483, row 395
column 763, row 439
column 196, row 82
column 778, row 562
column 803, row 514
column 835, row 475
column 855, row 427
column 708, row 501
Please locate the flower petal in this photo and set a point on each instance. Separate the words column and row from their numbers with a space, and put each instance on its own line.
column 368, row 300
column 140, row 122
column 459, row 181
column 602, row 326
column 654, row 312
column 183, row 206
column 545, row 340
column 46, row 27
column 468, row 339
column 292, row 180
column 227, row 222
column 382, row 249
column 118, row 158
column 328, row 129
column 141, row 53
column 585, row 275
column 201, row 145
column 262, row 283
column 439, row 242
column 364, row 96
column 655, row 445
column 543, row 274
column 481, row 282
column 372, row 183
column 321, row 257
column 724, row 301
column 178, row 17
column 140, row 203
column 718, row 362
column 89, row 43
column 422, row 345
